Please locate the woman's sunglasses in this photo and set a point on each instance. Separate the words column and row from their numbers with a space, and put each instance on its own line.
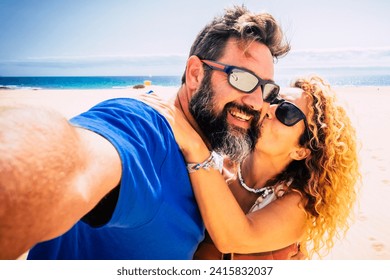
column 245, row 80
column 289, row 114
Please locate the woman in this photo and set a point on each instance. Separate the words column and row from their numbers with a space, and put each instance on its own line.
column 297, row 188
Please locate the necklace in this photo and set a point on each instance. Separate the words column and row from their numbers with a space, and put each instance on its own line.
column 264, row 192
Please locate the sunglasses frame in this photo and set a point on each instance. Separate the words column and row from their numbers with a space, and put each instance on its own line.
column 279, row 102
column 228, row 69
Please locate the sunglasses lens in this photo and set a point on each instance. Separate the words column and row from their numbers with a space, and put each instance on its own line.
column 270, row 92
column 242, row 80
column 247, row 82
column 288, row 114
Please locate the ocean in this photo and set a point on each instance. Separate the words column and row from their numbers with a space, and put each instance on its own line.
column 93, row 82
column 338, row 76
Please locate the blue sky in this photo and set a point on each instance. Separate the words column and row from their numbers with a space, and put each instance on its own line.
column 118, row 37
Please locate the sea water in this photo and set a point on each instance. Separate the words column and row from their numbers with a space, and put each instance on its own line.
column 99, row 82
column 338, row 76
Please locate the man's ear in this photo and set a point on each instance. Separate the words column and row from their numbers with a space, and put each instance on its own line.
column 300, row 153
column 194, row 72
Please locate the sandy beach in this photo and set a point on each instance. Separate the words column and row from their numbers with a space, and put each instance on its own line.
column 369, row 236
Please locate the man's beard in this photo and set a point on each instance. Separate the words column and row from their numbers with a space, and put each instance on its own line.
column 231, row 141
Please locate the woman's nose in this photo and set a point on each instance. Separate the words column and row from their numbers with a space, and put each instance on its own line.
column 270, row 112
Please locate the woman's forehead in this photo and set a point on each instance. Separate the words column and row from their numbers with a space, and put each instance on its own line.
column 291, row 93
column 296, row 96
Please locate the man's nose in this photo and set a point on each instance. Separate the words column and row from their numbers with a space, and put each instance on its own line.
column 254, row 100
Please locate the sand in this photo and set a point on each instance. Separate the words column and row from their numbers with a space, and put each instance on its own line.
column 369, row 236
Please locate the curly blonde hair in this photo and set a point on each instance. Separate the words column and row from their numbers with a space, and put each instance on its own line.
column 327, row 178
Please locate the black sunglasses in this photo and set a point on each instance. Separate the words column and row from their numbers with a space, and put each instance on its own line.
column 289, row 114
column 245, row 80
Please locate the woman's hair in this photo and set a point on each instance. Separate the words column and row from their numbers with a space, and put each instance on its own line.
column 238, row 22
column 327, row 177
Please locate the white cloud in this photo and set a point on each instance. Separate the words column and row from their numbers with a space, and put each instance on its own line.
column 168, row 64
column 174, row 64
column 358, row 57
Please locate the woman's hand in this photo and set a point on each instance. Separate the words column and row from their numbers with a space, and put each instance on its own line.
column 189, row 141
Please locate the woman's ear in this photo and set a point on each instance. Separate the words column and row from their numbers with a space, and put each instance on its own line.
column 300, row 153
column 194, row 72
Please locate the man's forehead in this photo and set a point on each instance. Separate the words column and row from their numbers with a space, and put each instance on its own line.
column 254, row 56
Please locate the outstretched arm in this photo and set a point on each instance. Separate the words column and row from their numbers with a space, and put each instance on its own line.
column 51, row 174
column 276, row 226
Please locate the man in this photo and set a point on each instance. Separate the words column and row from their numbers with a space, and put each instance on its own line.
column 112, row 183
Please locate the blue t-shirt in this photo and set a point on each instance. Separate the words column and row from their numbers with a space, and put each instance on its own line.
column 156, row 216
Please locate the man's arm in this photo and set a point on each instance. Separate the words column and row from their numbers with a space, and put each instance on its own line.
column 51, row 175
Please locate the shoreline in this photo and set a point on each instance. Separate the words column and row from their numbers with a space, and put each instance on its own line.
column 369, row 235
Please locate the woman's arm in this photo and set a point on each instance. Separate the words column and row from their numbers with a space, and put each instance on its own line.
column 273, row 227
column 278, row 225
column 51, row 175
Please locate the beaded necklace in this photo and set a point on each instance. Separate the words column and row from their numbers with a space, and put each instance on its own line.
column 264, row 192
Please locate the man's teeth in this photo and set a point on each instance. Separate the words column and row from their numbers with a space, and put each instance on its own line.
column 240, row 115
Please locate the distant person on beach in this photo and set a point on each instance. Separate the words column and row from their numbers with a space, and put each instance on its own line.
column 295, row 190
column 112, row 183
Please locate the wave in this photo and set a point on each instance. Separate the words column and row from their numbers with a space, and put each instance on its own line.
column 14, row 87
